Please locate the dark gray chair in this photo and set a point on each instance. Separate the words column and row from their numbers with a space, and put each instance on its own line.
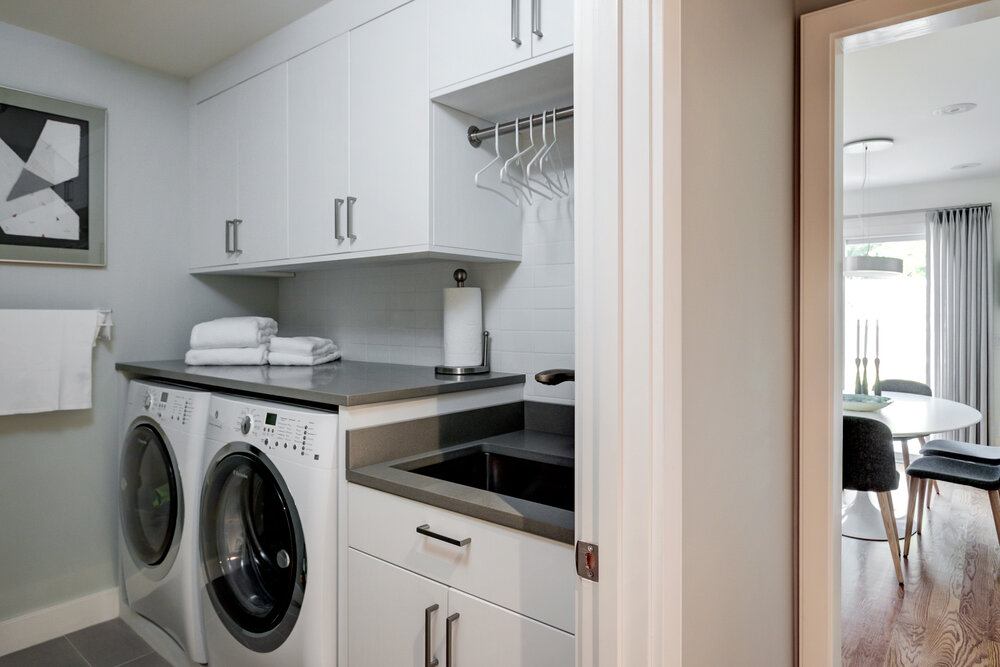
column 968, row 473
column 965, row 451
column 909, row 387
column 870, row 465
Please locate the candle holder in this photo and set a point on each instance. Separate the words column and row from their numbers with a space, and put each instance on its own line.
column 864, row 376
column 857, row 375
column 877, row 387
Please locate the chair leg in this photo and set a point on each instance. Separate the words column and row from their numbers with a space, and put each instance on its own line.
column 911, row 501
column 921, row 492
column 995, row 506
column 889, row 520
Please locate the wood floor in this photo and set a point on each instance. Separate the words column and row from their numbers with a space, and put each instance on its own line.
column 949, row 611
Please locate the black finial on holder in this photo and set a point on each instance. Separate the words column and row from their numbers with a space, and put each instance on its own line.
column 461, row 275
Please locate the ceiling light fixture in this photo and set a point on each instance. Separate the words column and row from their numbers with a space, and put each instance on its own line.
column 870, row 266
column 953, row 109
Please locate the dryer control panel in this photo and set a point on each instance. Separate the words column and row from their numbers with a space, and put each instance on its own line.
column 169, row 406
column 301, row 435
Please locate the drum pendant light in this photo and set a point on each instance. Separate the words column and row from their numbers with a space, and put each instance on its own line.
column 867, row 265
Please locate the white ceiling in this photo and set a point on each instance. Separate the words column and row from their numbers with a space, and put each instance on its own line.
column 893, row 90
column 181, row 37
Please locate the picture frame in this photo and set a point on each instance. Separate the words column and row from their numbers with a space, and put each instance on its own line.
column 53, row 179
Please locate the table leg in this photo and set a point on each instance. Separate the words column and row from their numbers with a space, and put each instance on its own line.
column 862, row 520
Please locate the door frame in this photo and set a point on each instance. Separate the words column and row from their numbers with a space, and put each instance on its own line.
column 627, row 84
column 820, row 305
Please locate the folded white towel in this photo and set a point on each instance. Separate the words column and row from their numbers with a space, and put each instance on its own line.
column 303, row 345
column 285, row 359
column 227, row 356
column 45, row 359
column 233, row 332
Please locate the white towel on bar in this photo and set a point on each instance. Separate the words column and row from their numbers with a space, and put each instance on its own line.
column 227, row 356
column 233, row 332
column 46, row 359
column 303, row 345
column 285, row 359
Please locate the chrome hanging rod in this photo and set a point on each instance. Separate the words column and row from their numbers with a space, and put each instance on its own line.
column 477, row 135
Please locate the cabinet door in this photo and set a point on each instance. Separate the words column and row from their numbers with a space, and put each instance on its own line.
column 263, row 166
column 485, row 635
column 214, row 178
column 317, row 148
column 387, row 611
column 473, row 37
column 554, row 20
column 390, row 130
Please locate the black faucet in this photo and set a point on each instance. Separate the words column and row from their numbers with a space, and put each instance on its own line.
column 555, row 376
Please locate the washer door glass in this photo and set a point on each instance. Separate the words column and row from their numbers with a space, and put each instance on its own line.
column 252, row 549
column 149, row 496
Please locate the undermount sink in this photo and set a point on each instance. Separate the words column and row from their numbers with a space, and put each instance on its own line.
column 525, row 478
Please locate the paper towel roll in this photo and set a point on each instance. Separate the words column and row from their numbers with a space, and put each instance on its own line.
column 463, row 326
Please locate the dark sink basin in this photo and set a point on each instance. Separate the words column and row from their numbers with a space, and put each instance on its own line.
column 529, row 479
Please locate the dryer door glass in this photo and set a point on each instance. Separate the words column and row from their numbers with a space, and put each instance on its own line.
column 253, row 551
column 149, row 495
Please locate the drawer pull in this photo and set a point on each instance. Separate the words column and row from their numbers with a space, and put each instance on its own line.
column 429, row 661
column 449, row 648
column 425, row 530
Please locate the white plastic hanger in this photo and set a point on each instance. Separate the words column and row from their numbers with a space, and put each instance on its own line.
column 496, row 146
column 554, row 186
column 505, row 174
column 561, row 174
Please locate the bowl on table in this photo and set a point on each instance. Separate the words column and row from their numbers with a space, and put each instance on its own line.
column 865, row 403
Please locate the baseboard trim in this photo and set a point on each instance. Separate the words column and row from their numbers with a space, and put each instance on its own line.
column 44, row 624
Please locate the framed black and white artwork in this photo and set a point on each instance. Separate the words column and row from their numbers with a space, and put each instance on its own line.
column 52, row 180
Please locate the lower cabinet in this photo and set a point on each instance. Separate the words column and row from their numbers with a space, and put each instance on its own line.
column 397, row 617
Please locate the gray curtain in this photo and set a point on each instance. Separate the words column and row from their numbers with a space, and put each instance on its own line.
column 960, row 309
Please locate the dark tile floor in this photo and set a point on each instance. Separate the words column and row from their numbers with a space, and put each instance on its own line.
column 109, row 644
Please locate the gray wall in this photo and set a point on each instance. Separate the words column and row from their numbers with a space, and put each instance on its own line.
column 58, row 506
column 738, row 331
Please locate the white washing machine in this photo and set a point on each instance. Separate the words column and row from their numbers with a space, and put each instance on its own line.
column 268, row 534
column 160, row 468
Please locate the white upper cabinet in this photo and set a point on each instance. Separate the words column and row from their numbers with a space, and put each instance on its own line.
column 318, row 127
column 390, row 132
column 240, row 198
column 470, row 38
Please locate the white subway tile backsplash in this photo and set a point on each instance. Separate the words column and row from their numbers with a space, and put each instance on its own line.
column 393, row 313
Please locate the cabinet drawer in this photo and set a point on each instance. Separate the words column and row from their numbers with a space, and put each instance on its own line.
column 524, row 573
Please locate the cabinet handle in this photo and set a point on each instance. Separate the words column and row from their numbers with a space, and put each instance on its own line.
column 515, row 21
column 428, row 660
column 236, row 236
column 337, row 203
column 536, row 17
column 229, row 227
column 425, row 530
column 449, row 653
column 350, row 218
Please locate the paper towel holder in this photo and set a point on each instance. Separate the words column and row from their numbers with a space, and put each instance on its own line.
column 470, row 370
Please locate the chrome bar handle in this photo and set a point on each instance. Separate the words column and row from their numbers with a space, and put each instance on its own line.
column 428, row 660
column 536, row 17
column 425, row 530
column 515, row 21
column 236, row 236
column 449, row 653
column 337, row 203
column 350, row 218
column 229, row 227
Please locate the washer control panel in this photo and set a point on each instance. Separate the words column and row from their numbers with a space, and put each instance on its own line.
column 169, row 406
column 289, row 432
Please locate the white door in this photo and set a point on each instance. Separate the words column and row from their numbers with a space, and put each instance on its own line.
column 387, row 611
column 551, row 25
column 485, row 635
column 473, row 37
column 390, row 131
column 318, row 149
column 214, row 136
column 263, row 166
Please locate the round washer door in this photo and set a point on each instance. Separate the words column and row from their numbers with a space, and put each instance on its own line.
column 150, row 500
column 252, row 548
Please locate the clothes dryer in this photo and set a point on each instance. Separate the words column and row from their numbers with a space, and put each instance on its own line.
column 159, row 491
column 268, row 534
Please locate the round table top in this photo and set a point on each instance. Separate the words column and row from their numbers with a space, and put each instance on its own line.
column 913, row 415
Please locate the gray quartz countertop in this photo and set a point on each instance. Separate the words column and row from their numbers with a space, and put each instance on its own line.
column 343, row 383
column 540, row 519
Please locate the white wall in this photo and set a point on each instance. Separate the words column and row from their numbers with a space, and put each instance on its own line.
column 738, row 325
column 394, row 312
column 58, row 500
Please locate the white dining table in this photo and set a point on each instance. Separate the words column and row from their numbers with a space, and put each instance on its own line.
column 908, row 416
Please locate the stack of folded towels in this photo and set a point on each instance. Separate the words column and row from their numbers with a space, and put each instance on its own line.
column 231, row 341
column 302, row 351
